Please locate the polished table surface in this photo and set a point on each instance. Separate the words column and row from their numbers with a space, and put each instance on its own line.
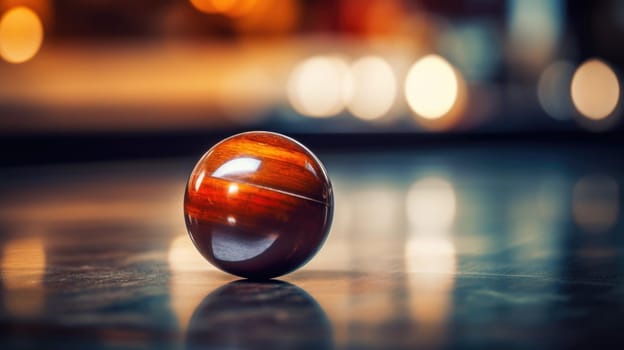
column 498, row 246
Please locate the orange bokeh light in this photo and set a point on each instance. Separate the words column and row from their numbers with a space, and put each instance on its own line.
column 230, row 8
column 21, row 34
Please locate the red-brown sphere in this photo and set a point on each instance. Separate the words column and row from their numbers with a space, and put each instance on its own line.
column 258, row 205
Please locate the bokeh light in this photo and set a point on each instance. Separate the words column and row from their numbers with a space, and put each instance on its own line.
column 431, row 264
column 204, row 6
column 21, row 34
column 430, row 254
column 23, row 263
column 22, row 270
column 45, row 9
column 595, row 90
column 319, row 86
column 431, row 87
column 553, row 90
column 374, row 88
column 431, row 205
column 232, row 8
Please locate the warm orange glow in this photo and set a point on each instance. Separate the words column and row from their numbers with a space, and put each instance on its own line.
column 319, row 86
column 22, row 269
column 595, row 90
column 23, row 263
column 374, row 88
column 246, row 93
column 177, row 78
column 431, row 87
column 43, row 8
column 232, row 8
column 21, row 35
column 270, row 17
column 431, row 265
column 183, row 256
column 384, row 17
column 337, row 303
column 203, row 5
column 223, row 5
column 243, row 8
column 374, row 18
column 430, row 254
column 186, row 291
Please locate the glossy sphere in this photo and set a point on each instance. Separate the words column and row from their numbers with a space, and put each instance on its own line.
column 258, row 205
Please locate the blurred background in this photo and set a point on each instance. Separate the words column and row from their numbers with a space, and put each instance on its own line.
column 103, row 79
column 474, row 146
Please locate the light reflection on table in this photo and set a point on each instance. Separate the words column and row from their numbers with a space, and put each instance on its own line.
column 426, row 250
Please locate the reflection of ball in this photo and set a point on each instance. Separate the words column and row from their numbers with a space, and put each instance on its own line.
column 250, row 315
column 258, row 205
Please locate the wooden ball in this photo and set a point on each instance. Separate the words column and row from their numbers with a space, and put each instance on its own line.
column 258, row 205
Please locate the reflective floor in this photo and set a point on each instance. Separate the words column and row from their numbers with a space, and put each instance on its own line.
column 506, row 247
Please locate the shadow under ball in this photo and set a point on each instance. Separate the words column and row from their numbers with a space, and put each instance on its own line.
column 258, row 205
column 259, row 315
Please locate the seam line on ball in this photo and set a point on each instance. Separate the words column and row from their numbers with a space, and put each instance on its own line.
column 276, row 190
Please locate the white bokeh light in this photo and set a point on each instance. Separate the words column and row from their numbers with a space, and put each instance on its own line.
column 319, row 86
column 431, row 205
column 431, row 87
column 374, row 88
